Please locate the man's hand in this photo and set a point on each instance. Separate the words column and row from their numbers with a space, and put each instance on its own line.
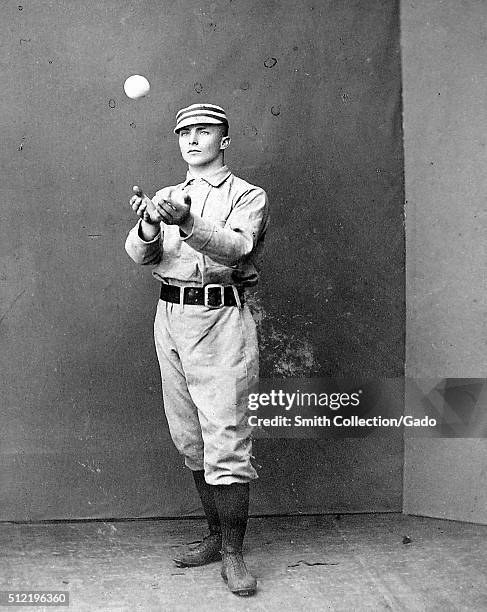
column 144, row 207
column 174, row 206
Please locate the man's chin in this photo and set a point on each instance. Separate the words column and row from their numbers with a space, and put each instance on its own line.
column 197, row 163
column 194, row 160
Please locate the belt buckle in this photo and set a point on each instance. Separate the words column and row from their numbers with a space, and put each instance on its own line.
column 207, row 295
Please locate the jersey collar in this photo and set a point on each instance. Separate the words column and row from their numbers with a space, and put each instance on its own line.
column 215, row 179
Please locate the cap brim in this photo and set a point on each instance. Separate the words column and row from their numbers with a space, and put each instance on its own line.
column 198, row 119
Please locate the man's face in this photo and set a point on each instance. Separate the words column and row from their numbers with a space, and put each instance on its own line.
column 202, row 144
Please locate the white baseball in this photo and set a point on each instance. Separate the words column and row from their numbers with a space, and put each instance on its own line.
column 136, row 86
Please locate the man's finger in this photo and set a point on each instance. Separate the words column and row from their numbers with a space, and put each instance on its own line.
column 138, row 191
column 158, row 208
column 169, row 208
column 141, row 210
column 166, row 213
column 166, row 217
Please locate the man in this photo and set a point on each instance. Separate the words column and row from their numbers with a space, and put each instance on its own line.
column 204, row 238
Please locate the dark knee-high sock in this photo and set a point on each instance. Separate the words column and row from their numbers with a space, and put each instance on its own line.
column 232, row 502
column 205, row 492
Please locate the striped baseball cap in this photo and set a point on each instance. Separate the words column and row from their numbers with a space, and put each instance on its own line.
column 200, row 113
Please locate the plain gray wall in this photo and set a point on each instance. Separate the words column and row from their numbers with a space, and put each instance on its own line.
column 313, row 95
column 445, row 136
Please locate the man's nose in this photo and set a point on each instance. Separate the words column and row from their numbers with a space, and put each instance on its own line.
column 193, row 137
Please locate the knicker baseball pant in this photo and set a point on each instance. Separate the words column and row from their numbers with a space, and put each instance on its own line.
column 209, row 364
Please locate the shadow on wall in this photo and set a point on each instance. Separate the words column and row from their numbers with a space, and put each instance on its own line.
column 283, row 352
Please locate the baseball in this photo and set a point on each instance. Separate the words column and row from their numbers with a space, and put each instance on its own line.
column 136, row 86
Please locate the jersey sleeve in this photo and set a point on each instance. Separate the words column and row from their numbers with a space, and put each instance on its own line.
column 141, row 251
column 245, row 226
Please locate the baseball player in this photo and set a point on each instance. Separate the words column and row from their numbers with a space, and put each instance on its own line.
column 204, row 239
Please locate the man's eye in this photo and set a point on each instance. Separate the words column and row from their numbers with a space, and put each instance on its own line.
column 204, row 132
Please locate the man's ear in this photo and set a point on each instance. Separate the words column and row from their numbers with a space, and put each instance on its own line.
column 225, row 141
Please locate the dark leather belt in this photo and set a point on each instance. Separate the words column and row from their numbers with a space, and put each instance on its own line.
column 212, row 296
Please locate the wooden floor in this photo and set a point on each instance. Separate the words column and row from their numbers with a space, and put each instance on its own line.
column 349, row 562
